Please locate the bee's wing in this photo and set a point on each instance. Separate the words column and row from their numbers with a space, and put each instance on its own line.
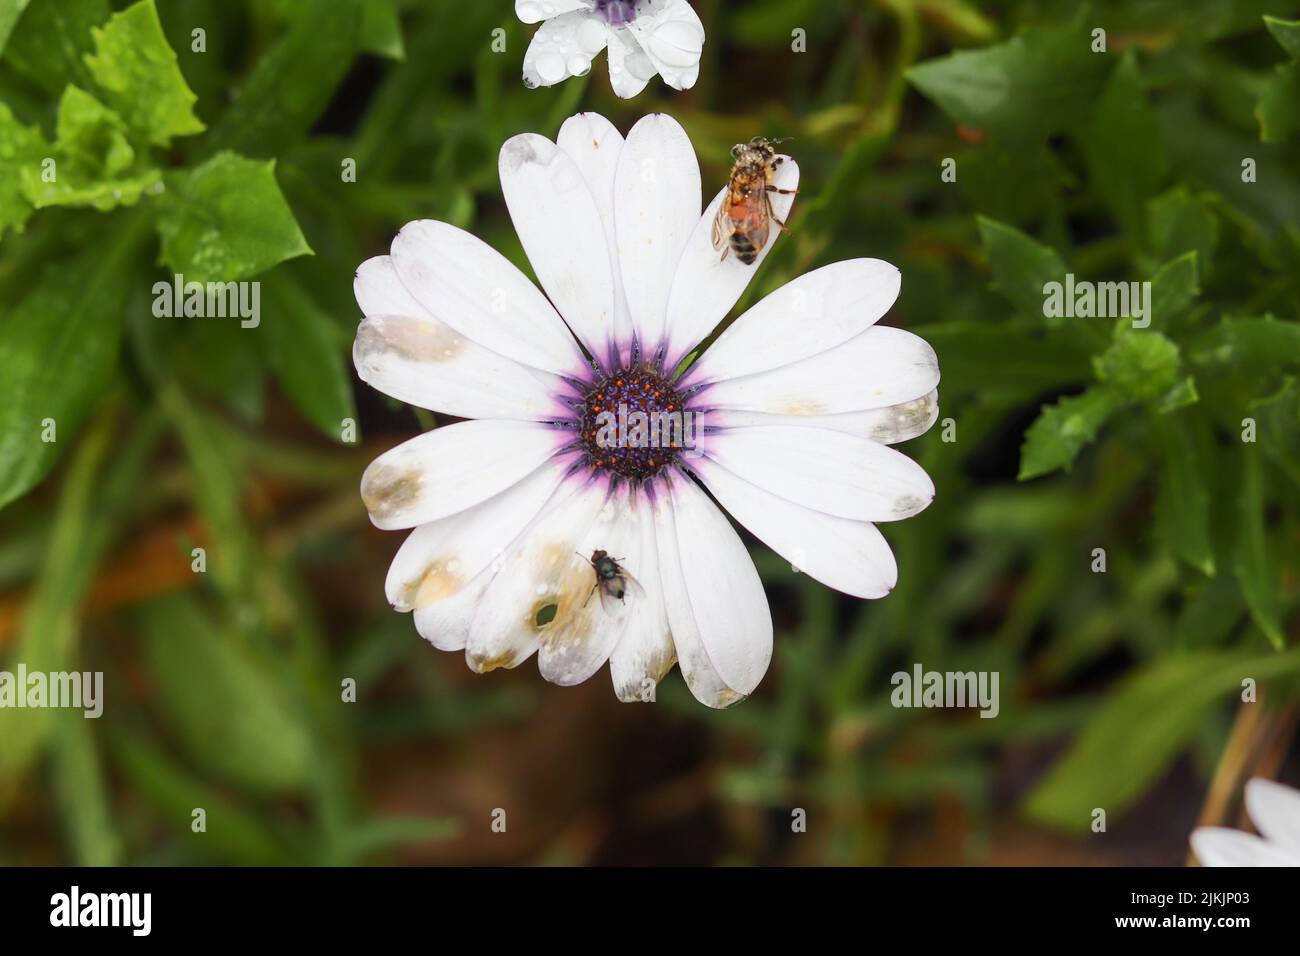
column 720, row 230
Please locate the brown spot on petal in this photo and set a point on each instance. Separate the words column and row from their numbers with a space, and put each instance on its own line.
column 418, row 340
column 438, row 582
column 387, row 490
column 482, row 665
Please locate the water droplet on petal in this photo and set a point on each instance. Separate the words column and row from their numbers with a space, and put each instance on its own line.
column 579, row 65
column 550, row 67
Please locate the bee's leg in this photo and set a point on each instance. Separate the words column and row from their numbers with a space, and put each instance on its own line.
column 783, row 192
column 771, row 213
column 590, row 593
column 726, row 247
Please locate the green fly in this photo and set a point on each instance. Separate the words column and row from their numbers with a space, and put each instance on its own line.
column 613, row 581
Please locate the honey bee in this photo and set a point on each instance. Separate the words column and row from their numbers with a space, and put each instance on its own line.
column 745, row 217
column 613, row 581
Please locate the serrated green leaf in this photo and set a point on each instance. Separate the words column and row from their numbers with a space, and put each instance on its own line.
column 92, row 152
column 135, row 69
column 1287, row 33
column 303, row 349
column 23, row 151
column 1022, row 267
column 1141, row 364
column 222, row 701
column 1183, row 502
column 1035, row 84
column 1125, row 154
column 1139, row 730
column 227, row 220
column 1054, row 440
column 1255, row 570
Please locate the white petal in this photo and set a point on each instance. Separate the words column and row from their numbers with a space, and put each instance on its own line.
column 706, row 286
column 672, row 36
column 645, row 654
column 881, row 367
column 815, row 312
column 471, row 287
column 595, row 145
column 726, row 595
column 539, row 570
column 630, row 69
column 701, row 676
column 849, row 556
column 828, row 471
column 439, row 558
column 1275, row 811
column 563, row 47
column 561, row 230
column 579, row 641
column 453, row 468
column 656, row 207
column 1219, row 846
column 445, row 623
column 422, row 362
column 535, row 11
column 889, row 425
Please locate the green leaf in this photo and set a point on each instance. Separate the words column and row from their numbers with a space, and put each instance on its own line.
column 1174, row 287
column 22, row 151
column 1022, row 267
column 1178, row 222
column 1183, row 393
column 51, row 42
column 227, row 220
column 294, row 82
column 1035, row 84
column 1054, row 440
column 1255, row 570
column 136, row 70
column 222, row 700
column 61, row 345
column 1140, row 729
column 1141, row 364
column 381, row 30
column 304, row 351
column 10, row 11
column 92, row 151
column 1287, row 33
column 1264, row 341
column 1183, row 502
column 1278, row 110
column 1125, row 154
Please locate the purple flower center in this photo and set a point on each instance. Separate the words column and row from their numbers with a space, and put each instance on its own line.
column 634, row 424
column 617, row 13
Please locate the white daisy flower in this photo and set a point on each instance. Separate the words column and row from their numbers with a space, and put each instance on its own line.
column 1275, row 811
column 794, row 407
column 644, row 37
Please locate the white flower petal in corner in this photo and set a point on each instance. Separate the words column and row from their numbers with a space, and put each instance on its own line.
column 1274, row 809
column 784, row 422
column 645, row 37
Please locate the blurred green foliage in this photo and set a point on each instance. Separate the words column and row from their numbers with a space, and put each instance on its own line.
column 1169, row 156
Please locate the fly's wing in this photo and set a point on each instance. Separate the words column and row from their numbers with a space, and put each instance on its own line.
column 634, row 589
column 612, row 605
